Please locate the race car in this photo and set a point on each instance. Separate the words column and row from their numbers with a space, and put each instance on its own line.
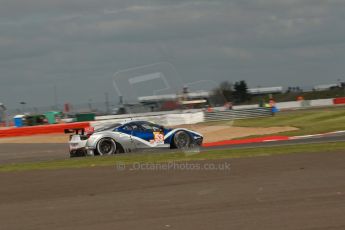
column 129, row 137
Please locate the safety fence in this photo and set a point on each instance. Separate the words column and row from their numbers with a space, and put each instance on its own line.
column 172, row 118
column 40, row 129
column 195, row 117
column 237, row 114
column 168, row 119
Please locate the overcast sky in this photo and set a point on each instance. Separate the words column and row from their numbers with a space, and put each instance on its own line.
column 78, row 45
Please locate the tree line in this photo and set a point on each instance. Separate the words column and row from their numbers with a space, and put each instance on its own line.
column 236, row 93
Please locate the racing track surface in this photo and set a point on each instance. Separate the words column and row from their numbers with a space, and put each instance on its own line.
column 296, row 191
column 14, row 153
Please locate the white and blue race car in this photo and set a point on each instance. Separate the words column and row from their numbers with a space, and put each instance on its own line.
column 129, row 137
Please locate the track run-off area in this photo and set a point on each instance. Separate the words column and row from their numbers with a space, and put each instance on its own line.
column 21, row 153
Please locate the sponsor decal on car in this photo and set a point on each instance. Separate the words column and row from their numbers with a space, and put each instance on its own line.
column 158, row 138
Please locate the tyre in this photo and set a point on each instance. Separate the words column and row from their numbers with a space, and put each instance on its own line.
column 106, row 146
column 119, row 148
column 77, row 153
column 182, row 140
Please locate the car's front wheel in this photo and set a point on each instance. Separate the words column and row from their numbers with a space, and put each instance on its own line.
column 182, row 140
column 106, row 146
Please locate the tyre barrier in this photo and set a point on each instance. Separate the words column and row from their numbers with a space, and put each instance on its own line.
column 339, row 101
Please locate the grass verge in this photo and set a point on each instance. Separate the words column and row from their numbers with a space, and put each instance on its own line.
column 308, row 121
column 89, row 162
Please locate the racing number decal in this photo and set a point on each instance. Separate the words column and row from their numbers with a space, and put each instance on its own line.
column 158, row 137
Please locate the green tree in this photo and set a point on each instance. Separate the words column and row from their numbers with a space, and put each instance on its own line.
column 241, row 94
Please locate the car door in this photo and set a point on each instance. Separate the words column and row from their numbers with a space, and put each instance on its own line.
column 151, row 133
column 142, row 136
column 126, row 135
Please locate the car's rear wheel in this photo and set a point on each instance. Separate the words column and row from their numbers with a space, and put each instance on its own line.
column 106, row 146
column 182, row 140
column 78, row 153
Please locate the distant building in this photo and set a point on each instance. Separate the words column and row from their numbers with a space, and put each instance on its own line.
column 324, row 87
column 175, row 101
column 265, row 90
column 168, row 97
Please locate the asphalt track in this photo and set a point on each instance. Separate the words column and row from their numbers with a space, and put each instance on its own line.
column 16, row 153
column 295, row 191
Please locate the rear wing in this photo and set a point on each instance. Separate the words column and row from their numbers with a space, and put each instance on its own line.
column 80, row 131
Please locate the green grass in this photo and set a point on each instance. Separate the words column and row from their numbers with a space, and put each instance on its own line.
column 308, row 121
column 90, row 162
